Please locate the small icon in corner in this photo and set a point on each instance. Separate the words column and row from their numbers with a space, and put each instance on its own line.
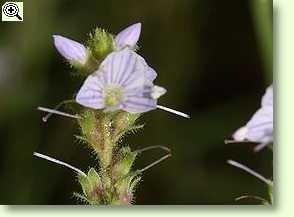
column 12, row 11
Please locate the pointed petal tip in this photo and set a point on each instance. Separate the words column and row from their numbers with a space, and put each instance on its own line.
column 138, row 25
column 59, row 37
column 240, row 134
column 70, row 49
column 158, row 92
column 128, row 36
column 134, row 27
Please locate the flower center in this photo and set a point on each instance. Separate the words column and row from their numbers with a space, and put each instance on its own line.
column 113, row 96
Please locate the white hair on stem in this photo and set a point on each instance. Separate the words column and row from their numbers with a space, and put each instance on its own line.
column 250, row 171
column 45, row 118
column 173, row 111
column 59, row 162
column 53, row 111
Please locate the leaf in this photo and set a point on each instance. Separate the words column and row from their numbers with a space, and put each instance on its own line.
column 94, row 178
column 86, row 185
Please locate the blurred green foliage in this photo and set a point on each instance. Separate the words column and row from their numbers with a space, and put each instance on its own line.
column 214, row 58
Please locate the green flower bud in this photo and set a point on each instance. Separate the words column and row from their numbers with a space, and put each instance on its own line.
column 101, row 43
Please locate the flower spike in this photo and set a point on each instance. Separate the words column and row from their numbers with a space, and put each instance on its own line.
column 118, row 88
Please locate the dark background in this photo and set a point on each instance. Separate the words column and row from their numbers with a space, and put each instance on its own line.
column 215, row 59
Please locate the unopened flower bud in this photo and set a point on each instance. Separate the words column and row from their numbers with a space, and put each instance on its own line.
column 101, row 43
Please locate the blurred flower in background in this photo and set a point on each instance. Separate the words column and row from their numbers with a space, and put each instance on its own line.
column 259, row 128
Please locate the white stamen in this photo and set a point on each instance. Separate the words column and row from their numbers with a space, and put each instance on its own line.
column 250, row 171
column 59, row 162
column 53, row 111
column 173, row 111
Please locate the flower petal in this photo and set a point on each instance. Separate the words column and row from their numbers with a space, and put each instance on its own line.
column 91, row 93
column 139, row 104
column 157, row 92
column 69, row 49
column 151, row 74
column 139, row 100
column 129, row 36
column 240, row 134
column 124, row 68
column 260, row 126
column 267, row 99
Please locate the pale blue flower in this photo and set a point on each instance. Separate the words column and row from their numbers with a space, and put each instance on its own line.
column 123, row 81
column 260, row 127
